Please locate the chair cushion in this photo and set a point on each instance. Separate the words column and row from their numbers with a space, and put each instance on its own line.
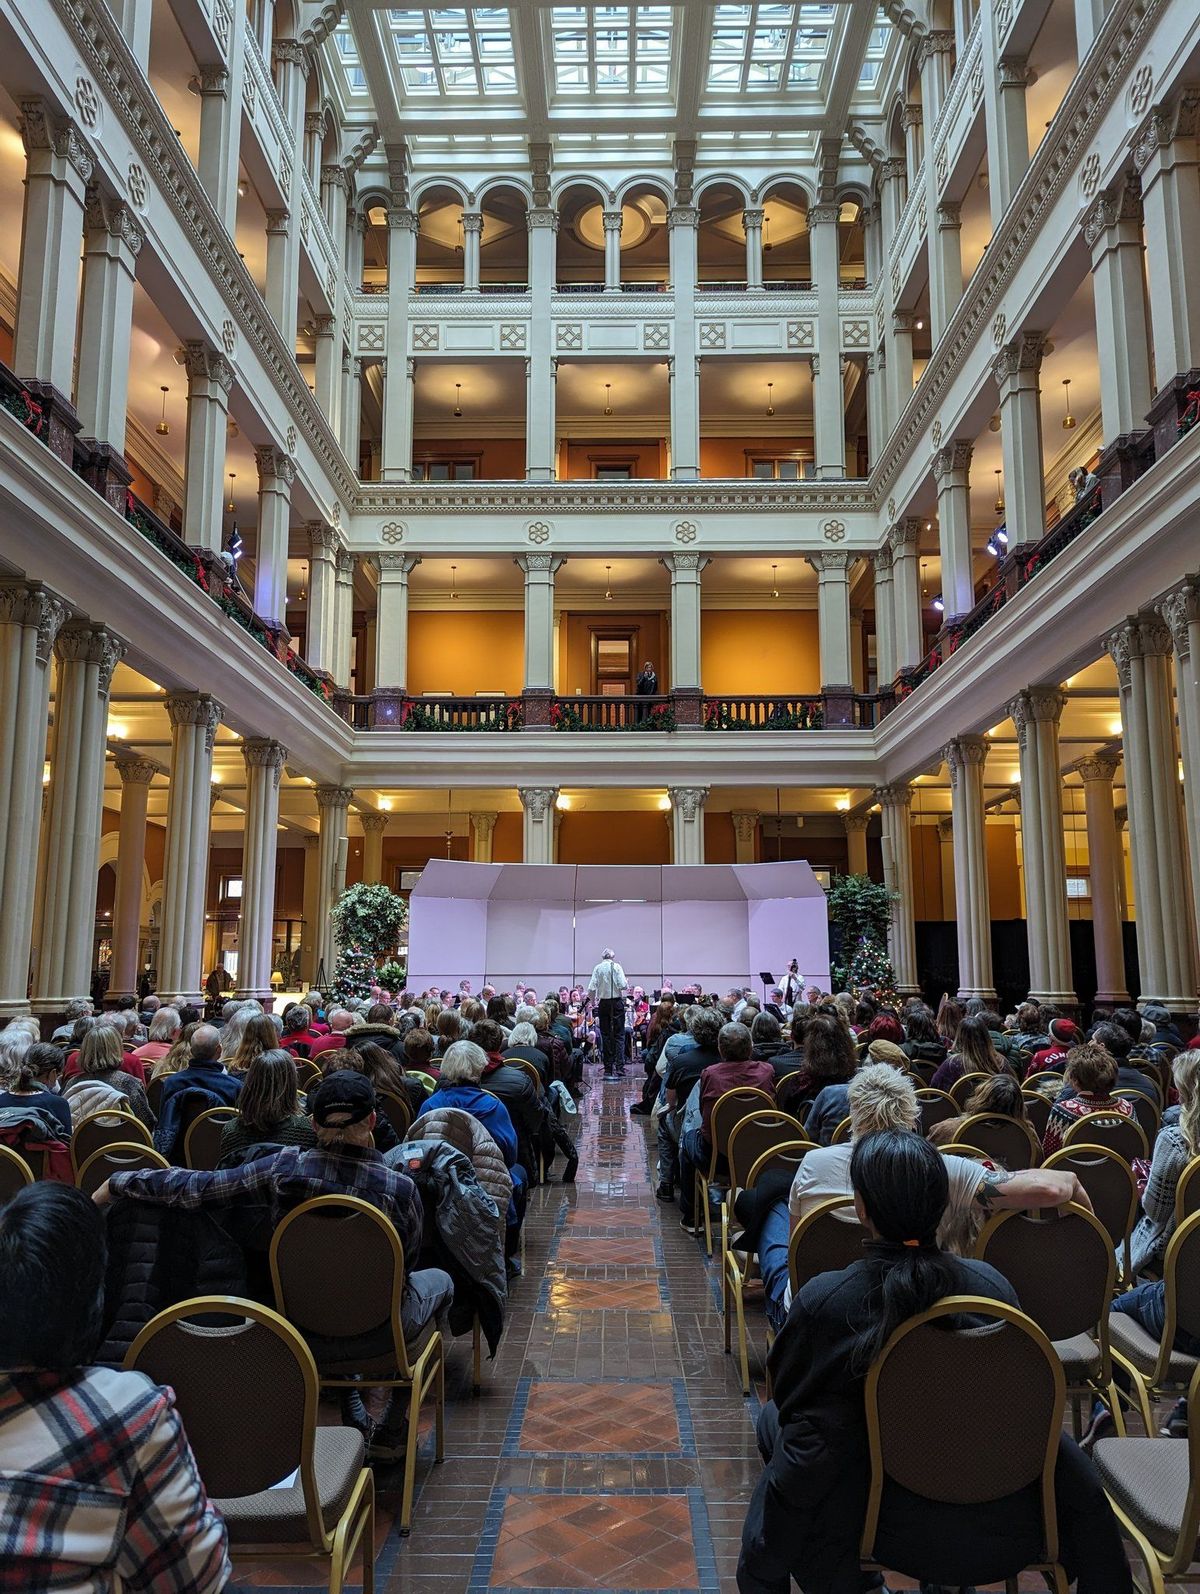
column 1141, row 1349
column 1148, row 1479
column 1080, row 1357
column 276, row 1516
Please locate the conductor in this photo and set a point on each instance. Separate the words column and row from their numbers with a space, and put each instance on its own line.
column 608, row 985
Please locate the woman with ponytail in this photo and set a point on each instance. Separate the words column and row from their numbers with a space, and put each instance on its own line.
column 806, row 1515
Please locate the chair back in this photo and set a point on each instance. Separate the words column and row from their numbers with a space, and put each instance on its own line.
column 1047, row 1081
column 842, row 1133
column 728, row 1110
column 1187, row 1191
column 1060, row 1264
column 397, row 1112
column 935, row 1427
column 15, row 1173
column 154, row 1090
column 954, row 1148
column 1110, row 1185
column 250, row 1380
column 527, row 1068
column 1008, row 1141
column 107, row 1128
column 755, row 1135
column 1145, row 1109
column 788, row 1156
column 922, row 1072
column 320, row 1246
column 1181, row 1275
column 308, row 1073
column 117, row 1158
column 202, row 1142
column 1037, row 1110
column 826, row 1240
column 1125, row 1136
column 964, row 1085
column 936, row 1107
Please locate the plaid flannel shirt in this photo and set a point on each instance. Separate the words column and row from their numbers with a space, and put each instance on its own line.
column 99, row 1489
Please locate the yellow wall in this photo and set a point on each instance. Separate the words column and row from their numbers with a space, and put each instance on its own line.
column 639, row 837
column 575, row 663
column 465, row 651
column 757, row 651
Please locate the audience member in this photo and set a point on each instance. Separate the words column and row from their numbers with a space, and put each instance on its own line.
column 1091, row 1072
column 203, row 1083
column 974, row 1053
column 736, row 1068
column 458, row 1086
column 164, row 1032
column 33, row 1082
column 830, row 1056
column 681, row 1077
column 102, row 1080
column 999, row 1094
column 1063, row 1034
column 268, row 1109
column 340, row 1020
column 251, row 1032
column 1174, row 1149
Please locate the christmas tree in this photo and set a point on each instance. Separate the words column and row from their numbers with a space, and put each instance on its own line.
column 354, row 975
column 860, row 909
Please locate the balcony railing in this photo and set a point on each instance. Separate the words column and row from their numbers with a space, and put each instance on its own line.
column 773, row 713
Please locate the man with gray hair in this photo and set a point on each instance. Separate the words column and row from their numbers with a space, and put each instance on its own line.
column 608, row 985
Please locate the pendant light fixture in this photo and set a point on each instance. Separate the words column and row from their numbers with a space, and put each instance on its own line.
column 1068, row 419
column 449, row 831
column 164, row 426
column 766, row 233
column 454, row 581
column 608, row 583
column 232, row 479
column 999, row 504
column 774, row 581
column 458, row 401
column 770, row 399
column 608, row 398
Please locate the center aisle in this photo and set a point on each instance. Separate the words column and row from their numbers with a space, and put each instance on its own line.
column 610, row 1448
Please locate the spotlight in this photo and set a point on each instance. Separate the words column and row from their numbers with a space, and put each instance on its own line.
column 938, row 604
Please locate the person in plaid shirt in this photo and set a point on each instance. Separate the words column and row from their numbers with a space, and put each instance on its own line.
column 98, row 1485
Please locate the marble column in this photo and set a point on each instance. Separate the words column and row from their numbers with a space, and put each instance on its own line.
column 541, row 366
column 899, row 365
column 876, row 409
column 30, row 619
column 752, row 226
column 911, row 126
column 1036, row 714
column 612, row 251
column 133, row 18
column 194, row 718
column 952, row 474
column 1017, row 374
column 904, row 539
column 483, row 828
column 343, row 618
column 86, row 654
column 326, row 370
column 220, row 120
column 539, row 570
column 829, row 414
column 209, row 380
column 745, row 835
column 1112, row 230
column 895, row 805
column 282, row 280
column 323, row 545
column 935, row 62
column 972, row 903
column 1168, row 164
column 472, row 237
column 135, row 774
column 308, row 942
column 403, row 226
column 1006, row 79
column 945, row 830
column 351, row 427
column 1089, row 19
column 264, row 761
column 289, row 58
column 537, row 803
column 276, row 473
column 687, row 822
column 945, row 267
column 685, row 570
column 1141, row 650
column 885, row 625
column 1180, row 611
column 332, row 805
column 1105, row 868
column 58, row 167
column 683, row 367
column 391, row 622
column 112, row 239
column 855, row 826
column 893, row 181
column 833, row 617
column 373, row 826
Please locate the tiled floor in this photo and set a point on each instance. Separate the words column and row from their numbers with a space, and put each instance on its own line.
column 610, row 1448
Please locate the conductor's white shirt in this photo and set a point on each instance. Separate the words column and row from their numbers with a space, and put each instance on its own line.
column 608, row 980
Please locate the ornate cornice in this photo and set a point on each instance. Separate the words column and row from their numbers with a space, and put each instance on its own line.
column 531, row 498
column 537, row 801
column 1096, row 769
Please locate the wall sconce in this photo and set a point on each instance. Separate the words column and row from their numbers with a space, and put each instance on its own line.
column 999, row 504
column 770, row 399
column 457, row 401
column 232, row 479
column 164, row 426
column 608, row 398
column 1068, row 419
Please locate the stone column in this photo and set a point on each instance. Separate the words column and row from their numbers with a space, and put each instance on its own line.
column 1141, row 649
column 745, row 835
column 895, row 804
column 264, row 762
column 136, row 775
column 612, row 251
column 1089, row 19
column 403, row 227
column 945, row 830
column 893, row 178
column 58, row 167
column 483, row 828
column 910, row 124
column 541, row 366
column 351, row 409
column 972, row 904
column 391, row 623
column 538, row 803
column 833, row 617
column 539, row 570
column 323, row 545
column 899, row 365
column 1168, row 164
column 829, row 415
column 209, row 378
column 952, row 473
column 1112, row 230
column 133, row 19
column 684, row 366
column 218, row 154
column 934, row 61
column 1036, row 714
column 855, row 826
column 1181, row 612
column 374, row 826
column 86, row 656
column 276, row 473
column 282, row 255
column 472, row 235
column 945, row 266
column 1105, row 868
column 885, row 626
column 308, row 943
column 904, row 538
column 194, row 718
column 687, row 822
column 685, row 570
column 326, row 364
column 110, row 249
column 289, row 58
column 343, row 619
column 752, row 225
column 876, row 409
column 30, row 618
column 332, row 805
column 1006, row 80
column 1017, row 373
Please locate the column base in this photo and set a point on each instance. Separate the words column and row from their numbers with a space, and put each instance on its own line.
column 1182, row 1005
column 185, row 998
column 106, row 472
column 688, row 704
column 685, row 473
column 11, row 1010
column 386, row 708
column 540, row 473
column 1170, row 414
column 1111, row 999
column 1121, row 463
column 537, row 703
column 59, row 423
column 908, row 990
column 985, row 993
column 265, row 995
column 1066, row 1002
column 831, row 473
column 839, row 707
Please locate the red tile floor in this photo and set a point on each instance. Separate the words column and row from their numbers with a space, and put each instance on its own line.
column 610, row 1448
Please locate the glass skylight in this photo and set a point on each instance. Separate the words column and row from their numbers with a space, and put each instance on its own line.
column 767, row 47
column 611, row 49
column 347, row 49
column 455, row 51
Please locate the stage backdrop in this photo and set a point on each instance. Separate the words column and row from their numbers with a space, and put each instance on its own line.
column 547, row 924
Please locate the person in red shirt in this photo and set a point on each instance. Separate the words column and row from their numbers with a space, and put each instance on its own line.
column 340, row 1020
column 298, row 1035
column 1065, row 1035
column 737, row 1067
column 164, row 1032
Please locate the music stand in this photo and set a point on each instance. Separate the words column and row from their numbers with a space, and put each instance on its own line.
column 767, row 978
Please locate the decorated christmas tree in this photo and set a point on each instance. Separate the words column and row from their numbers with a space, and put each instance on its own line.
column 860, row 910
column 368, row 921
column 354, row 975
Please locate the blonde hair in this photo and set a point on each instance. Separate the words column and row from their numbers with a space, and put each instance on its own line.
column 100, row 1051
column 1185, row 1071
column 881, row 1097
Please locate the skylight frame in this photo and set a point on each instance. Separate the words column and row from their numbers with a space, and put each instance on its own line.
column 765, row 48
column 611, row 53
column 460, row 54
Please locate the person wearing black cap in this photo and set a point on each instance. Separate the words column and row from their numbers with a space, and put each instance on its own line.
column 343, row 1162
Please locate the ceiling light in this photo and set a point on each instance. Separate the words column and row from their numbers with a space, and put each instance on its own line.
column 232, row 479
column 608, row 398
column 386, row 804
column 938, row 604
column 457, row 401
column 774, row 582
column 770, row 404
column 164, row 426
column 998, row 506
column 215, row 777
column 664, row 802
column 45, row 774
column 454, row 581
column 842, row 805
column 562, row 803
column 118, row 730
column 1068, row 419
column 1116, row 728
column 919, row 326
column 608, row 583
column 1016, row 777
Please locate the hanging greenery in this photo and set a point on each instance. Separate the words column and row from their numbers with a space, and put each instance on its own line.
column 860, row 911
column 369, row 918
